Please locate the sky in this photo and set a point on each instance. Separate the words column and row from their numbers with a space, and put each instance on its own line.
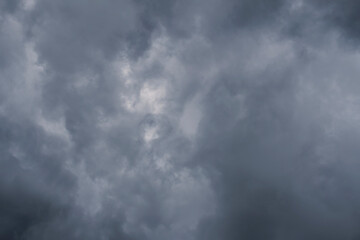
column 179, row 120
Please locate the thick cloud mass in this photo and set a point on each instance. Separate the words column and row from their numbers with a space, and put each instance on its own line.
column 182, row 120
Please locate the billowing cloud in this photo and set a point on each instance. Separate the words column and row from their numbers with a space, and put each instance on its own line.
column 179, row 119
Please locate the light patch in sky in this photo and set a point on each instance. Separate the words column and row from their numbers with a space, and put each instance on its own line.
column 54, row 127
column 29, row 4
column 270, row 53
column 190, row 193
column 150, row 134
column 191, row 117
column 149, row 99
column 91, row 192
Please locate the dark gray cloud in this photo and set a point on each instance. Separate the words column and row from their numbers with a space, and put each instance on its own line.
column 179, row 119
column 342, row 15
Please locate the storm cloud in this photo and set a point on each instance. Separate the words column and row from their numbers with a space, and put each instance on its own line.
column 182, row 120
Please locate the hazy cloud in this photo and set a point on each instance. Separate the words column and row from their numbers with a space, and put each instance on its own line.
column 179, row 119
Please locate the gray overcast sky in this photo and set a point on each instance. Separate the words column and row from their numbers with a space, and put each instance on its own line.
column 179, row 120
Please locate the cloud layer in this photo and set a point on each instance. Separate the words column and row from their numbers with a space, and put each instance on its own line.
column 137, row 119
